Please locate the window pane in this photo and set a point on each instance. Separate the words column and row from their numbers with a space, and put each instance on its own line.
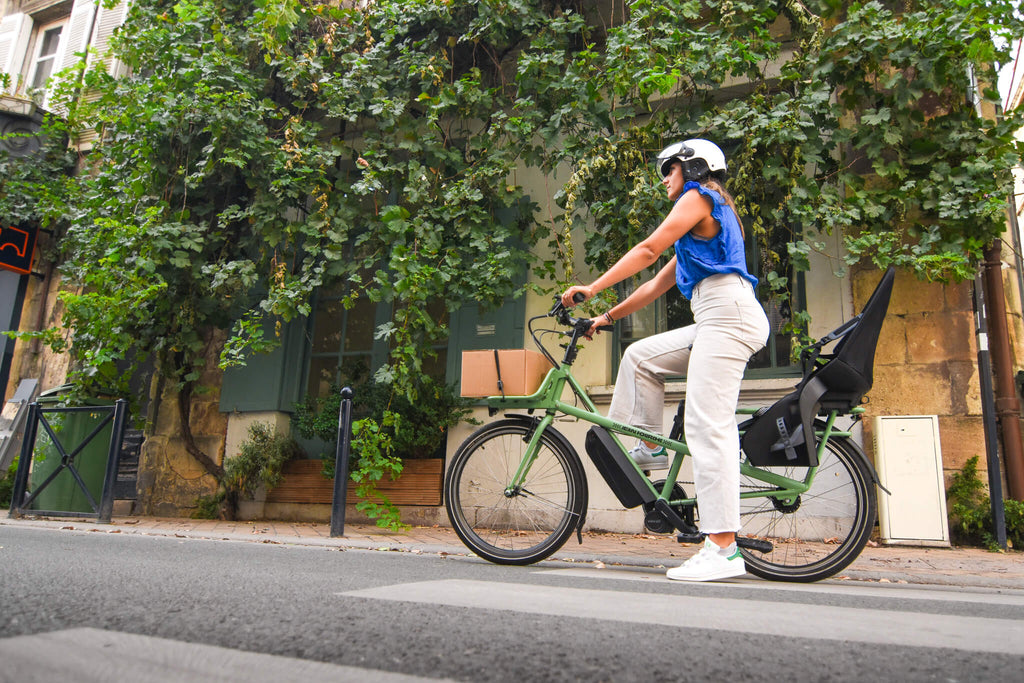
column 435, row 368
column 645, row 322
column 678, row 309
column 342, row 341
column 323, row 374
column 327, row 326
column 355, row 369
column 361, row 322
column 43, row 69
column 777, row 353
column 673, row 311
column 51, row 39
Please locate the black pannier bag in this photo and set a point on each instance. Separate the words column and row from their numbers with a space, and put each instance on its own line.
column 836, row 381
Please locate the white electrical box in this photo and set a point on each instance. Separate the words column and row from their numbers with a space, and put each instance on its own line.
column 909, row 463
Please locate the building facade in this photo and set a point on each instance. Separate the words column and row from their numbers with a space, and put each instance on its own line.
column 926, row 363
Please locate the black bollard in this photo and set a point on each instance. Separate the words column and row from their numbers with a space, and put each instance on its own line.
column 341, row 464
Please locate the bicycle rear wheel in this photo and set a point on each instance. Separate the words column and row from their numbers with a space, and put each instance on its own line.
column 821, row 531
column 514, row 525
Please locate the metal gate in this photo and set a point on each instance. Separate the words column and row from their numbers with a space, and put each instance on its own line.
column 70, row 459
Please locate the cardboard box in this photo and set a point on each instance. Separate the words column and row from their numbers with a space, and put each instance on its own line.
column 522, row 372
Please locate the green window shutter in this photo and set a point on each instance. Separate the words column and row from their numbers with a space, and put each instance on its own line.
column 270, row 381
column 503, row 328
column 473, row 329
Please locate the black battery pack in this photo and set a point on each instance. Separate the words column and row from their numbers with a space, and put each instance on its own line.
column 628, row 485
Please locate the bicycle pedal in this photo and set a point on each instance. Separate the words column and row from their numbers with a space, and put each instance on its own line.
column 754, row 544
column 690, row 538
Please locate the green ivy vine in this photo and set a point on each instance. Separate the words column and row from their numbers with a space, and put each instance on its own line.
column 261, row 149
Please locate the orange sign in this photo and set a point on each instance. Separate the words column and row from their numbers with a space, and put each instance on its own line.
column 17, row 248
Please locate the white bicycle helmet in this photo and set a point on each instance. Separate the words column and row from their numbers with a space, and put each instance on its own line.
column 700, row 158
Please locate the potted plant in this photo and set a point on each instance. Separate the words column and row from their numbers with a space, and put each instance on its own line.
column 398, row 444
column 260, row 461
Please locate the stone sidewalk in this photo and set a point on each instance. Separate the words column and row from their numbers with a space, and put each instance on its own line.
column 966, row 567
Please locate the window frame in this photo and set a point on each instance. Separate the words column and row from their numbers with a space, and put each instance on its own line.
column 39, row 31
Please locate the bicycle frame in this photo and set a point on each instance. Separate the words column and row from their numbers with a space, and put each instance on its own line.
column 548, row 399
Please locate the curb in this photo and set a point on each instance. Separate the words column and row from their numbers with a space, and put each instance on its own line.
column 949, row 567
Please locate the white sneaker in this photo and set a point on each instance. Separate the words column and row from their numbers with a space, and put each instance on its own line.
column 710, row 564
column 647, row 459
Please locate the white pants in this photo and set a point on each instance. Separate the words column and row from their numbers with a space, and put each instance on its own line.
column 730, row 326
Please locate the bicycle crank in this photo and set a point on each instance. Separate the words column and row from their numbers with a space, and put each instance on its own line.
column 656, row 522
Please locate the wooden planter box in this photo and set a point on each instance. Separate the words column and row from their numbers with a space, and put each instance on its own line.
column 418, row 484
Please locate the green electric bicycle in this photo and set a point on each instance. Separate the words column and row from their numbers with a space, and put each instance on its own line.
column 516, row 489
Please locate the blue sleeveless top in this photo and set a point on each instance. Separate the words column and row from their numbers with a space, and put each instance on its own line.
column 698, row 258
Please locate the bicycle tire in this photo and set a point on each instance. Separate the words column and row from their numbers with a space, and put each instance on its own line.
column 529, row 524
column 824, row 529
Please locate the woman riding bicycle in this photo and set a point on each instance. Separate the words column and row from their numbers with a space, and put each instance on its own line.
column 730, row 326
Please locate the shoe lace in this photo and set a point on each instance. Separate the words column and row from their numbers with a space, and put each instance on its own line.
column 705, row 555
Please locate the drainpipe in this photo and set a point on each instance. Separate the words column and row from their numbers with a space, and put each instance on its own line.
column 988, row 413
column 1007, row 405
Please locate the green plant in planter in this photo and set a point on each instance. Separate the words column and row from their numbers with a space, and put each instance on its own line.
column 388, row 427
column 416, row 430
column 259, row 461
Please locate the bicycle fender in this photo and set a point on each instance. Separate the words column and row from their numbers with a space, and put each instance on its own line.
column 531, row 421
column 859, row 452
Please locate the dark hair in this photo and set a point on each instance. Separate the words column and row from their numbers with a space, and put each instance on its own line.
column 716, row 182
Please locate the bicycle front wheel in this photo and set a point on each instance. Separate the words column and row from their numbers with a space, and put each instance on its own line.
column 818, row 533
column 514, row 524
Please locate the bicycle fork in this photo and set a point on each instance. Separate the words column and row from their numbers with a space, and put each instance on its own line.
column 532, row 438
column 517, row 485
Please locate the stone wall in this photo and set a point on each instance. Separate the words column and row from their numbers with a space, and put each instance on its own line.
column 926, row 363
column 33, row 359
column 170, row 479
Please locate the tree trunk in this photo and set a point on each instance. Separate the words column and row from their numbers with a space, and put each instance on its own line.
column 185, row 413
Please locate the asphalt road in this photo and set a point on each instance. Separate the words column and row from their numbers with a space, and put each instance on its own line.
column 86, row 606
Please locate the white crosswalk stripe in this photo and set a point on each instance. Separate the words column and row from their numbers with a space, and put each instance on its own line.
column 88, row 655
column 820, row 622
column 889, row 591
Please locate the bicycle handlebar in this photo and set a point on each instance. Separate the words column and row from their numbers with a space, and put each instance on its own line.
column 578, row 326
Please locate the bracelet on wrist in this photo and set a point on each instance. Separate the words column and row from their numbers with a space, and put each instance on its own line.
column 609, row 318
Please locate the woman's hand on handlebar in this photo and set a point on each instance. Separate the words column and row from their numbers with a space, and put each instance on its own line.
column 598, row 324
column 571, row 296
